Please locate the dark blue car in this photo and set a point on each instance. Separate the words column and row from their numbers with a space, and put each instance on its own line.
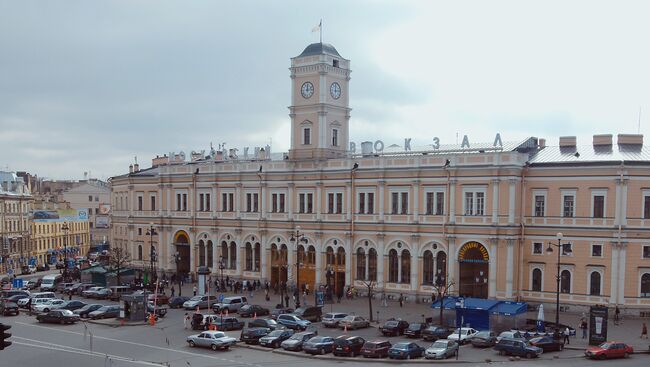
column 405, row 350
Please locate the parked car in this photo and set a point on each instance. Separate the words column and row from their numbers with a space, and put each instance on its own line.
column 253, row 335
column 199, row 301
column 79, row 289
column 311, row 313
column 160, row 311
column 72, row 305
column 232, row 304
column 275, row 338
column 31, row 284
column 105, row 312
column 441, row 349
column 547, row 343
column 42, row 267
column 14, row 292
column 319, row 345
column 393, row 327
column 296, row 341
column 24, row 302
column 50, row 282
column 161, row 299
column 415, row 330
column 253, row 310
column 353, row 322
column 58, row 316
column 293, row 322
column 89, row 292
column 265, row 323
column 376, row 349
column 513, row 334
column 36, row 302
column 462, row 336
column 103, row 293
column 48, row 306
column 348, row 346
column 405, row 350
column 280, row 311
column 517, row 347
column 13, row 299
column 331, row 319
column 70, row 286
column 215, row 340
column 609, row 350
column 177, row 302
column 484, row 339
column 84, row 311
column 118, row 291
column 223, row 323
column 61, row 287
column 8, row 308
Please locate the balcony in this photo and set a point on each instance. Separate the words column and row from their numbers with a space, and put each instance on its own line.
column 570, row 221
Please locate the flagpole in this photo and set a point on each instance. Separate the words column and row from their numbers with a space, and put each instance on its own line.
column 321, row 30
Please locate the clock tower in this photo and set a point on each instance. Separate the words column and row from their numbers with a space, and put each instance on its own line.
column 319, row 111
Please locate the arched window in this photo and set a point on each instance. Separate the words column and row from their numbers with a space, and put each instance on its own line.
column 301, row 254
column 393, row 271
column 139, row 252
column 258, row 250
column 224, row 254
column 311, row 255
column 372, row 264
column 427, row 268
column 645, row 285
column 441, row 268
column 210, row 254
column 233, row 255
column 275, row 255
column 565, row 281
column 406, row 266
column 249, row 257
column 594, row 283
column 329, row 255
column 537, row 280
column 340, row 256
column 284, row 254
column 201, row 253
column 361, row 264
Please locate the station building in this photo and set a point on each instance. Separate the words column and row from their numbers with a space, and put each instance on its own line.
column 480, row 218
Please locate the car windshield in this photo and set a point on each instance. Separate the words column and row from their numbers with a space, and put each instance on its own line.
column 605, row 345
column 299, row 310
column 439, row 345
column 104, row 308
column 318, row 339
column 275, row 333
column 328, row 316
column 483, row 334
column 401, row 346
column 414, row 327
column 391, row 323
column 299, row 336
column 196, row 298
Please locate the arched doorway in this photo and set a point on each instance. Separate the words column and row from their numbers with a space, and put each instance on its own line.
column 279, row 260
column 182, row 244
column 335, row 269
column 474, row 262
column 307, row 260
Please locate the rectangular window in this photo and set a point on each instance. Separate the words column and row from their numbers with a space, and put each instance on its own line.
column 435, row 203
column 310, row 203
column 568, row 206
column 153, row 202
column 362, row 203
column 366, row 203
column 330, row 203
column 538, row 248
column 306, row 136
column 646, row 252
column 207, row 202
column 96, row 198
column 302, row 202
column 440, row 203
column 281, row 203
column 274, row 203
column 430, row 202
column 224, row 202
column 469, row 203
column 474, row 203
column 597, row 250
column 178, row 202
column 201, row 203
column 646, row 207
column 90, row 198
column 480, row 203
column 540, row 203
column 306, row 203
column 599, row 206
column 231, row 202
column 139, row 203
column 252, row 202
column 335, row 137
column 184, row 202
column 339, row 203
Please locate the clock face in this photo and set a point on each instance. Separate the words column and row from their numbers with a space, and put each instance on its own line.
column 307, row 89
column 335, row 90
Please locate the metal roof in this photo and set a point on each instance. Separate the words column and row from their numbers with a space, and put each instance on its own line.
column 590, row 153
column 319, row 49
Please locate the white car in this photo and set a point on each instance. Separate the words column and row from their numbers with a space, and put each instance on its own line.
column 48, row 306
column 215, row 340
column 466, row 333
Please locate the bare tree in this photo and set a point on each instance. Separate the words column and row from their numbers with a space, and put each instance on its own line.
column 442, row 288
column 370, row 287
column 118, row 260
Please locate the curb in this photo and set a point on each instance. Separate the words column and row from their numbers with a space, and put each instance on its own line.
column 115, row 324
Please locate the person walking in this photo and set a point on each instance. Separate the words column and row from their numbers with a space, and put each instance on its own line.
column 617, row 312
column 173, row 290
column 567, row 332
column 384, row 302
column 401, row 300
column 194, row 289
column 583, row 326
column 644, row 331
column 186, row 318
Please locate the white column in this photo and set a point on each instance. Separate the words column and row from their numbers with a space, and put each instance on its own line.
column 213, row 201
column 169, row 203
column 348, row 195
column 613, row 298
column 263, row 253
column 416, row 200
column 452, row 259
column 348, row 262
column 495, row 200
column 619, row 204
column 512, row 200
column 509, row 266
column 290, row 199
column 239, row 249
column 382, row 189
column 452, row 201
column 492, row 278
column 263, row 201
column 291, row 262
column 380, row 261
column 319, row 263
column 621, row 272
column 238, row 201
column 624, row 203
column 317, row 202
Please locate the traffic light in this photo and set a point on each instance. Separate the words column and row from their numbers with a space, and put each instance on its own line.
column 3, row 342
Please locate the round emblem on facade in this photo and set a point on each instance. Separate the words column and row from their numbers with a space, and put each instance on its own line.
column 307, row 90
column 335, row 90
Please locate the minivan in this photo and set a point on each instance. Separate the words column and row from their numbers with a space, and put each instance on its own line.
column 312, row 313
column 50, row 282
column 232, row 304
column 117, row 291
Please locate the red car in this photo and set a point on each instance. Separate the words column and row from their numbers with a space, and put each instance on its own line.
column 609, row 350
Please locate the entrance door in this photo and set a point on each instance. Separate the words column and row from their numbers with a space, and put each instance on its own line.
column 474, row 266
column 278, row 265
column 182, row 242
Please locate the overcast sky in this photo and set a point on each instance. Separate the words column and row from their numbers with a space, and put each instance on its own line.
column 88, row 85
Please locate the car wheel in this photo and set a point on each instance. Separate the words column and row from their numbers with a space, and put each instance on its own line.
column 502, row 352
column 626, row 355
column 192, row 344
column 408, row 356
column 602, row 357
column 529, row 355
column 322, row 351
column 214, row 347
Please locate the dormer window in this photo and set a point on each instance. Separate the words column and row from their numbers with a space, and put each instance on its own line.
column 335, row 63
column 306, row 136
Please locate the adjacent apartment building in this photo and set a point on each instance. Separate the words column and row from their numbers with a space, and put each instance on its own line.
column 15, row 207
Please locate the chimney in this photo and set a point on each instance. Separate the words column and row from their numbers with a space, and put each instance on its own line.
column 602, row 139
column 160, row 161
column 632, row 139
column 541, row 143
column 567, row 141
column 136, row 167
column 130, row 168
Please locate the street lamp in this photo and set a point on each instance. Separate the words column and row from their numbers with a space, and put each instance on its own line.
column 298, row 237
column 152, row 250
column 65, row 229
column 222, row 266
column 560, row 250
column 177, row 259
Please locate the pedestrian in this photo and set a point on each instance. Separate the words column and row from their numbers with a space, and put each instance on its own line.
column 286, row 299
column 194, row 289
column 173, row 290
column 567, row 332
column 644, row 331
column 616, row 314
column 401, row 300
column 70, row 296
column 186, row 318
column 583, row 326
column 384, row 302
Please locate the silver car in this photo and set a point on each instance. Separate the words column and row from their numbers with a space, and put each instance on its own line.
column 215, row 340
column 332, row 319
column 200, row 302
column 441, row 349
column 353, row 323
column 295, row 342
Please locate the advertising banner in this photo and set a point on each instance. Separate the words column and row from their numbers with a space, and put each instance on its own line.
column 101, row 222
column 67, row 215
column 597, row 325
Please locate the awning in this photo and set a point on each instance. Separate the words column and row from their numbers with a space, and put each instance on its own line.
column 495, row 307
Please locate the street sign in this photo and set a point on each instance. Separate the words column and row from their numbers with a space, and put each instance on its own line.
column 17, row 283
column 598, row 316
column 320, row 298
column 10, row 271
column 221, row 297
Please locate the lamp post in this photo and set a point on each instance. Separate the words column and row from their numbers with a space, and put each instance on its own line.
column 177, row 259
column 151, row 231
column 65, row 229
column 222, row 266
column 298, row 237
column 560, row 251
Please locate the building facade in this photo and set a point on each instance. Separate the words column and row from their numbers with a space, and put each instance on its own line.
column 57, row 233
column 15, row 206
column 94, row 196
column 479, row 218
